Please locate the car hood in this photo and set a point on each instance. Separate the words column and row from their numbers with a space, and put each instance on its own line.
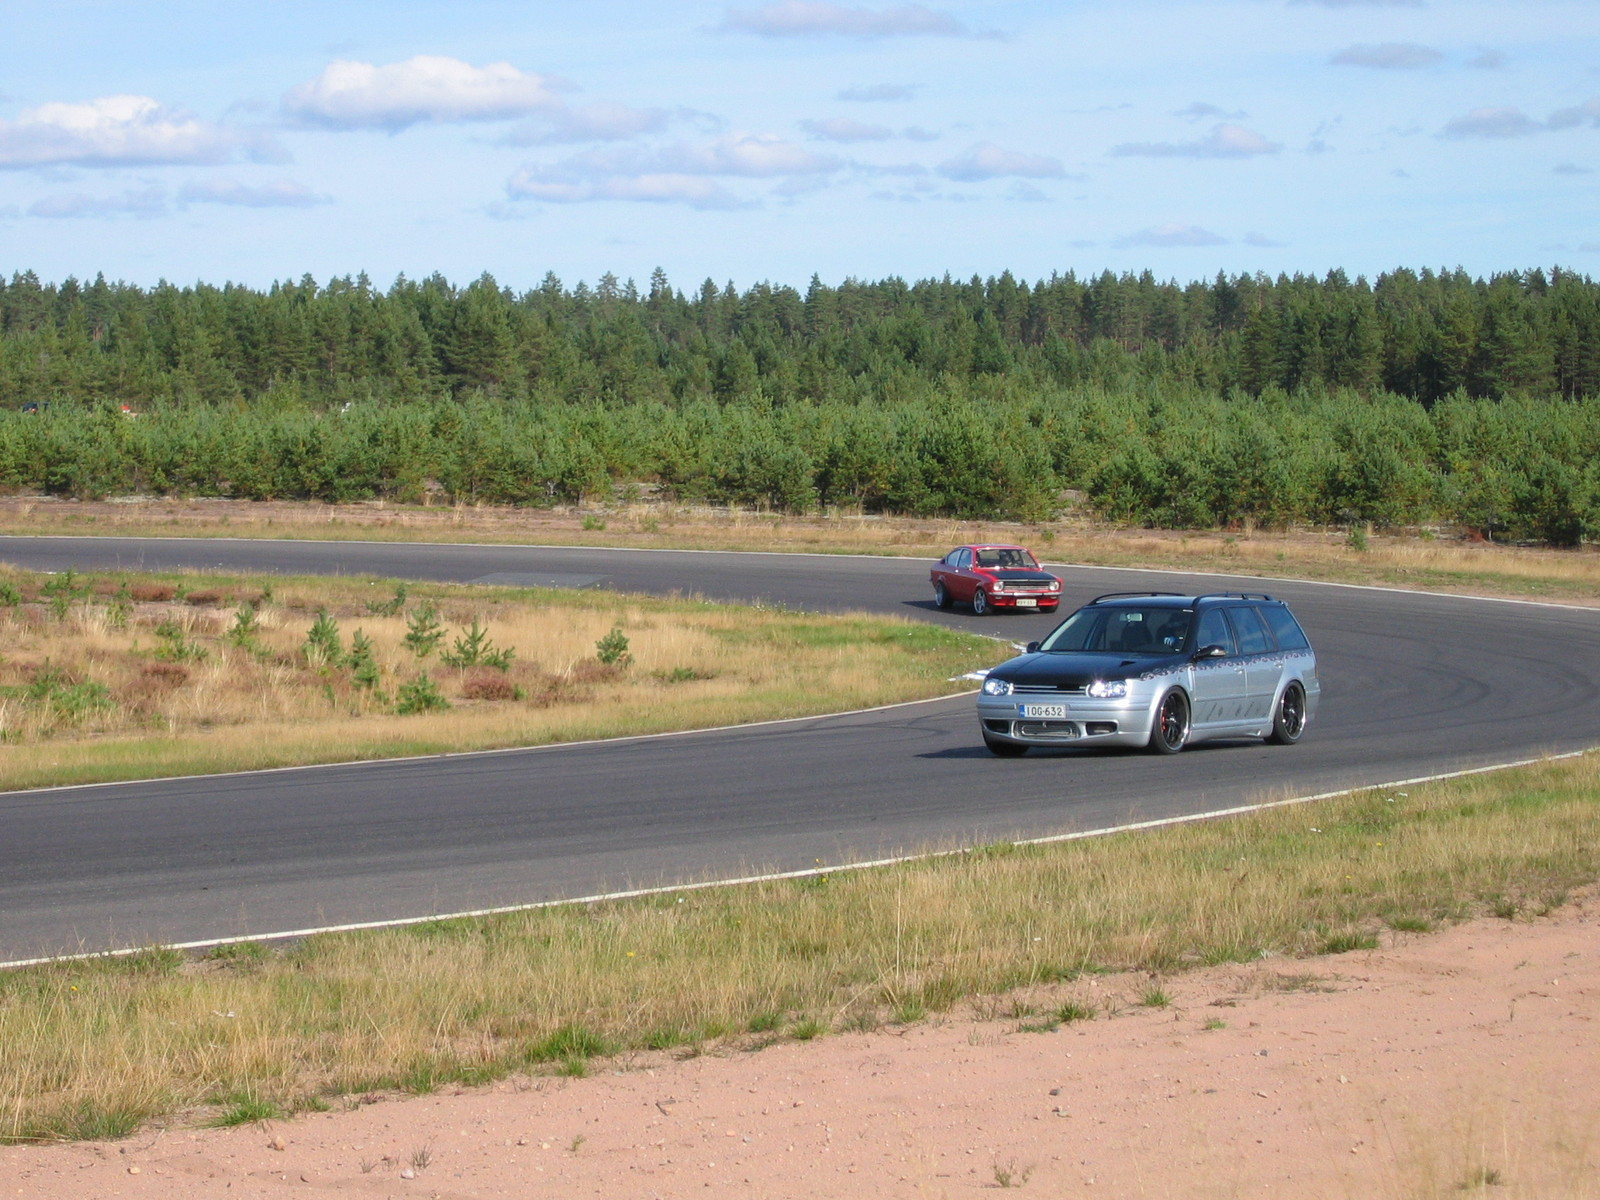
column 1018, row 574
column 1071, row 669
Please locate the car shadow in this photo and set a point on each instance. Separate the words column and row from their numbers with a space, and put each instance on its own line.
column 977, row 750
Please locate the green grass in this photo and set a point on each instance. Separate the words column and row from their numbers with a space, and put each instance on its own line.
column 95, row 1048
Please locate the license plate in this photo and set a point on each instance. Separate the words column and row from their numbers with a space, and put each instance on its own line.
column 1043, row 711
column 1027, row 602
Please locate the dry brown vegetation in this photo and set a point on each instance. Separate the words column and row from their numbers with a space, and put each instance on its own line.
column 112, row 677
column 93, row 1048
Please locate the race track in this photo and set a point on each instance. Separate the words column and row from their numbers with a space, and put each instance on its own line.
column 1412, row 684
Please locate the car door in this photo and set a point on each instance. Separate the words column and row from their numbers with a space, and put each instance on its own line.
column 1218, row 694
column 961, row 577
column 1263, row 665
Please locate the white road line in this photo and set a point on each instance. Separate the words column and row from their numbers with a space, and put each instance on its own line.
column 808, row 873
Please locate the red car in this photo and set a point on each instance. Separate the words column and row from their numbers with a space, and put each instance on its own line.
column 994, row 577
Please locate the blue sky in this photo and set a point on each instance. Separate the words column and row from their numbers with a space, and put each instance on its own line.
column 773, row 139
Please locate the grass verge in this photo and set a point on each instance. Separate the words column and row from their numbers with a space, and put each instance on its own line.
column 125, row 677
column 94, row 1048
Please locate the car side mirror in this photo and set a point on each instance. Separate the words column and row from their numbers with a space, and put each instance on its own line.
column 1033, row 647
column 1211, row 652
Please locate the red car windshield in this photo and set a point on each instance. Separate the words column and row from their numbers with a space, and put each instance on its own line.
column 1008, row 557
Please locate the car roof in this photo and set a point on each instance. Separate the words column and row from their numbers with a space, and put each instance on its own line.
column 1175, row 599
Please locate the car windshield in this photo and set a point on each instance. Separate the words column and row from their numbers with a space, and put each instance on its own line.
column 1006, row 557
column 1122, row 630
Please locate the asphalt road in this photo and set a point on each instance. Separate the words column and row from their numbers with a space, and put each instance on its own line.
column 1413, row 684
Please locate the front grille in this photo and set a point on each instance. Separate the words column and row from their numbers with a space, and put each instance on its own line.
column 1065, row 730
column 1048, row 689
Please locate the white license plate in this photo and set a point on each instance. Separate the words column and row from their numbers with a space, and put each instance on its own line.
column 1027, row 602
column 1043, row 711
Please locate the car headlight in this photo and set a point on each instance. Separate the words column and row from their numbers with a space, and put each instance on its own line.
column 1108, row 689
column 996, row 687
column 1055, row 585
column 999, row 585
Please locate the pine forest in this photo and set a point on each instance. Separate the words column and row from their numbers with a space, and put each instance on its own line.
column 1417, row 399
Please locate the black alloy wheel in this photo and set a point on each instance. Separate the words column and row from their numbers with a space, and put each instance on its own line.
column 1171, row 729
column 1289, row 719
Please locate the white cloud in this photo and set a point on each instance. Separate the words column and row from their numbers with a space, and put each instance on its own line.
column 1225, row 141
column 1571, row 169
column 752, row 155
column 1171, row 235
column 679, row 173
column 655, row 188
column 1567, row 118
column 1388, row 56
column 1199, row 110
column 1492, row 123
column 281, row 193
column 1488, row 60
column 1513, row 122
column 146, row 202
column 988, row 161
column 877, row 93
column 1261, row 239
column 601, row 122
column 358, row 95
column 807, row 18
column 843, row 129
column 117, row 131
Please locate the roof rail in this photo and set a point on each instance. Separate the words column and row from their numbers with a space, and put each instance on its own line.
column 1129, row 595
column 1234, row 596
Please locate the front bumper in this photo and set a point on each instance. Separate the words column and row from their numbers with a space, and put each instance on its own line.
column 1043, row 601
column 1084, row 721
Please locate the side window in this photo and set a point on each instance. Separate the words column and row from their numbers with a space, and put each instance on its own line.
column 1213, row 631
column 1252, row 633
column 1289, row 634
column 963, row 559
column 951, row 559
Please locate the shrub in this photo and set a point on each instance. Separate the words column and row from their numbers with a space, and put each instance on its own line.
column 419, row 696
column 323, row 646
column 612, row 650
column 423, row 630
column 473, row 648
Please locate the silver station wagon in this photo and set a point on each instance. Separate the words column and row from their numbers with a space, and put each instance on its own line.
column 1156, row 669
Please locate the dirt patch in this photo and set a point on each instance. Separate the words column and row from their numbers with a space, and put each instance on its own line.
column 1453, row 1064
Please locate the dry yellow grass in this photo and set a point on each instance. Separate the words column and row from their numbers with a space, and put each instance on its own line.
column 104, row 685
column 94, row 1047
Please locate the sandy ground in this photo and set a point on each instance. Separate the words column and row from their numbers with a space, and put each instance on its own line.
column 1448, row 1064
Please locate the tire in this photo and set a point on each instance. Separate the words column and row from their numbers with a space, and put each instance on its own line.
column 941, row 597
column 1289, row 718
column 1004, row 749
column 1171, row 730
column 980, row 603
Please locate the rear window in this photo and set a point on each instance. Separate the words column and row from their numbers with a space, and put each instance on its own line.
column 1285, row 628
